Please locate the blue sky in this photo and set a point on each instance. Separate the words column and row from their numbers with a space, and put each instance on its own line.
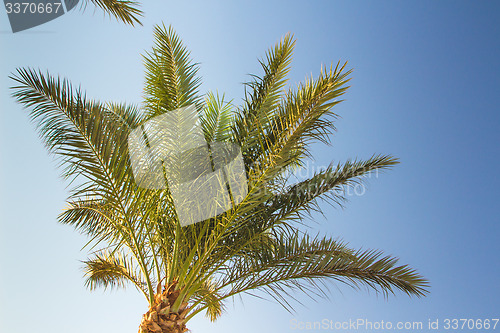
column 425, row 88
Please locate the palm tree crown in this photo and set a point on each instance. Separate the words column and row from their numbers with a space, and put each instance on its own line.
column 258, row 244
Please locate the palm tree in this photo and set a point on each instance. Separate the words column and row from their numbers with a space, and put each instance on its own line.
column 262, row 243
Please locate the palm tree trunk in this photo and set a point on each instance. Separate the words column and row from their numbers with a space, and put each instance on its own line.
column 160, row 318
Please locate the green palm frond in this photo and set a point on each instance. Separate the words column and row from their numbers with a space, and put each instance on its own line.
column 303, row 117
column 127, row 115
column 86, row 138
column 294, row 260
column 96, row 219
column 216, row 118
column 207, row 298
column 328, row 184
column 89, row 141
column 171, row 76
column 122, row 10
column 262, row 97
column 112, row 270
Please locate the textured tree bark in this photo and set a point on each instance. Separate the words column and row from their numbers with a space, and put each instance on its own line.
column 160, row 318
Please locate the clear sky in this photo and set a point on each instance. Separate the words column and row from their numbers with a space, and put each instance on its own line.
column 425, row 88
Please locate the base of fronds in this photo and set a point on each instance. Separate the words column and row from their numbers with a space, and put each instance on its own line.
column 159, row 318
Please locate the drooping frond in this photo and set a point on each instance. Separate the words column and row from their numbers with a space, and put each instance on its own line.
column 97, row 219
column 122, row 10
column 295, row 260
column 110, row 270
column 171, row 76
column 89, row 140
column 208, row 299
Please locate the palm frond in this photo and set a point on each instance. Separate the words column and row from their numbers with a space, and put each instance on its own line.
column 207, row 298
column 294, row 261
column 171, row 76
column 96, row 219
column 262, row 96
column 89, row 140
column 122, row 10
column 216, row 118
column 111, row 270
column 127, row 115
column 329, row 184
column 303, row 117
